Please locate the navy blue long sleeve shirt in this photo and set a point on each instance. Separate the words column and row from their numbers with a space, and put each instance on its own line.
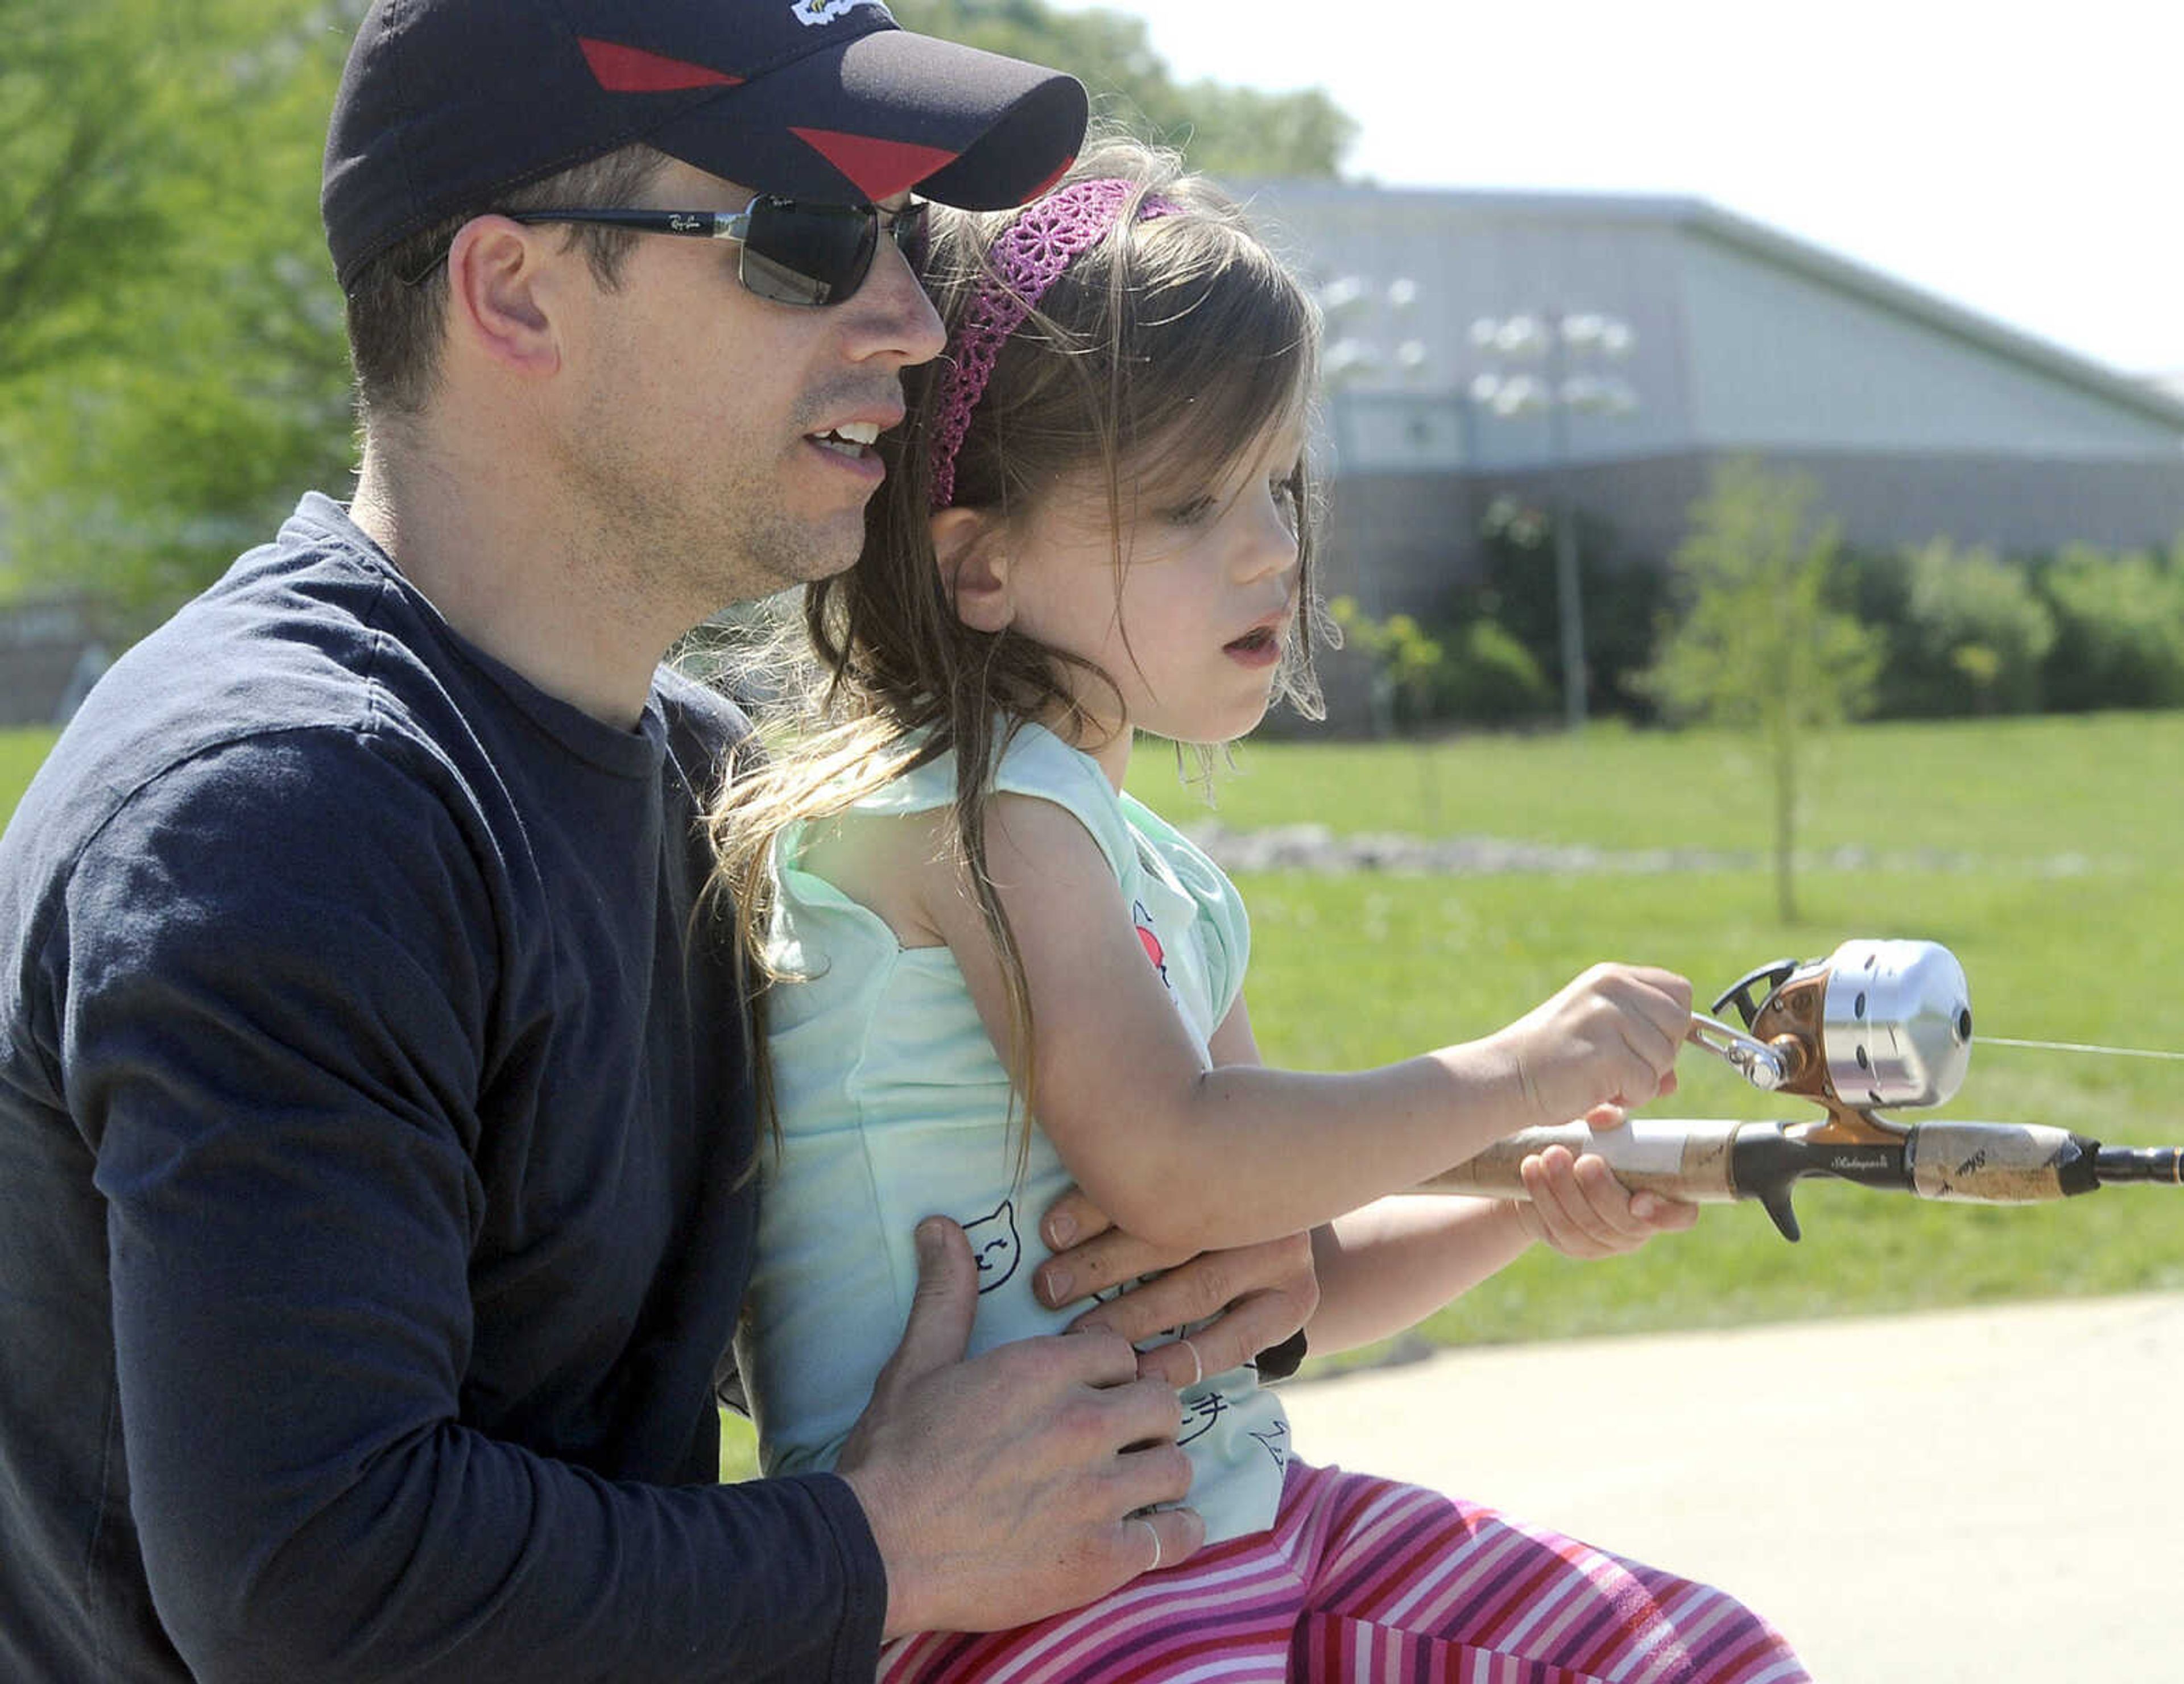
column 375, row 1124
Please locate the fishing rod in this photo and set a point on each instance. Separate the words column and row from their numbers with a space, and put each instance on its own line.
column 1875, row 1023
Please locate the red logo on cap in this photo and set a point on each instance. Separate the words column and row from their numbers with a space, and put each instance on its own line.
column 632, row 69
column 880, row 168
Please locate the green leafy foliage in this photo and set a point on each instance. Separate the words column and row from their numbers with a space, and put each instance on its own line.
column 2120, row 630
column 1473, row 672
column 1973, row 636
column 1231, row 132
column 1493, row 678
column 1757, row 641
column 171, row 365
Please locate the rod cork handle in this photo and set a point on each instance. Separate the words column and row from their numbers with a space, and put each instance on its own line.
column 1677, row 1158
column 2000, row 1163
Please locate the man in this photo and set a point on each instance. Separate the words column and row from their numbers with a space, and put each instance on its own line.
column 376, row 1127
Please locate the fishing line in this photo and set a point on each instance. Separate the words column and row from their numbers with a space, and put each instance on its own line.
column 2080, row 1046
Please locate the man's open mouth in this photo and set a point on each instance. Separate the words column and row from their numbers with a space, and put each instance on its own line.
column 850, row 438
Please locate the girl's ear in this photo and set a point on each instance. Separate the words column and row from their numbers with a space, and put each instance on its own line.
column 974, row 568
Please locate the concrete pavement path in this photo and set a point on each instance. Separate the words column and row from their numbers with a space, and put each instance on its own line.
column 1981, row 1497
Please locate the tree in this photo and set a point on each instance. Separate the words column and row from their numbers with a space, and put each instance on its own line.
column 1759, row 647
column 1228, row 132
column 171, row 362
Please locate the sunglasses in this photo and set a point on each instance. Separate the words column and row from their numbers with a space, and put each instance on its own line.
column 793, row 253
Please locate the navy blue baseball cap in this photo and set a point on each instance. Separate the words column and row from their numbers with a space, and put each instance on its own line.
column 446, row 104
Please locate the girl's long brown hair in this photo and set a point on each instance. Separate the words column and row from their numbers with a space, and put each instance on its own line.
column 1158, row 358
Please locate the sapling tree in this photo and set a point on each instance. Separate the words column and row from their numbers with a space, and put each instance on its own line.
column 1757, row 645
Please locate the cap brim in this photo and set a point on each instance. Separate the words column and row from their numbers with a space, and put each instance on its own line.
column 887, row 113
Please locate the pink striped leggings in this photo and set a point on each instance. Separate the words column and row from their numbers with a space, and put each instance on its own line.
column 1366, row 1582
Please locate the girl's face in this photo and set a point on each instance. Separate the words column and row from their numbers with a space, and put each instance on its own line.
column 1192, row 630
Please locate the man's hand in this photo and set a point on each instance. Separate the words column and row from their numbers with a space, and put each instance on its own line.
column 1007, row 1487
column 1257, row 1296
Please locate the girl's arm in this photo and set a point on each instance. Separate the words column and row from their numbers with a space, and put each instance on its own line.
column 1186, row 1157
column 1389, row 1266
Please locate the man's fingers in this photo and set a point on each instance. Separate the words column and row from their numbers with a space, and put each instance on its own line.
column 994, row 1486
column 1182, row 1364
column 1192, row 1291
column 1237, row 1304
column 1249, row 1326
column 1138, row 1417
column 939, row 1330
column 1148, row 1476
column 1109, row 1258
column 1146, row 1542
column 1071, row 1220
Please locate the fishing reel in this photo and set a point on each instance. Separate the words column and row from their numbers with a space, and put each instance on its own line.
column 1875, row 1023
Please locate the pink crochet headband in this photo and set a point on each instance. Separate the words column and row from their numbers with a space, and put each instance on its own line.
column 1027, row 257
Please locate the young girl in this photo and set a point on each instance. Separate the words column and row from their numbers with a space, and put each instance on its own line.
column 996, row 974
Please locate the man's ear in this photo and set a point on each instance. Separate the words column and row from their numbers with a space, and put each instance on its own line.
column 498, row 295
column 974, row 568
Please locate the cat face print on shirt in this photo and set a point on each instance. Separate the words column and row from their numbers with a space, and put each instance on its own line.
column 994, row 1246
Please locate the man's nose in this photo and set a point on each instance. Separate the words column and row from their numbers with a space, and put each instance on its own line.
column 893, row 315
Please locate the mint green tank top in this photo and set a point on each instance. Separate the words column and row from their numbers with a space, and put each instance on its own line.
column 894, row 1107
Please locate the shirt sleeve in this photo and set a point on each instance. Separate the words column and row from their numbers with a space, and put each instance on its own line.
column 1221, row 924
column 277, row 1005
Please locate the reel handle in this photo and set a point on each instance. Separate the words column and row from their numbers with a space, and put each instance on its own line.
column 1763, row 1065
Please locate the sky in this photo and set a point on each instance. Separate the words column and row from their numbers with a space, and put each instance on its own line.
column 2032, row 172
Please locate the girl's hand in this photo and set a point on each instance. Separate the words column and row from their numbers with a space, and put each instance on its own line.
column 1609, row 1038
column 1578, row 1207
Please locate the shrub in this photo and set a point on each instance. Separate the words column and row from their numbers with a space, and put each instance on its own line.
column 1476, row 672
column 2120, row 631
column 1972, row 638
column 1491, row 678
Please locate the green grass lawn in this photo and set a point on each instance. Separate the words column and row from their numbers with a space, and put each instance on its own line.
column 2105, row 784
column 21, row 749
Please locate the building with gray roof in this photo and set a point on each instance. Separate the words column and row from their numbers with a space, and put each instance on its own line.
column 1918, row 419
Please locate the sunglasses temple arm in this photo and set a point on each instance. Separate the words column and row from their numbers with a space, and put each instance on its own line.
column 721, row 224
